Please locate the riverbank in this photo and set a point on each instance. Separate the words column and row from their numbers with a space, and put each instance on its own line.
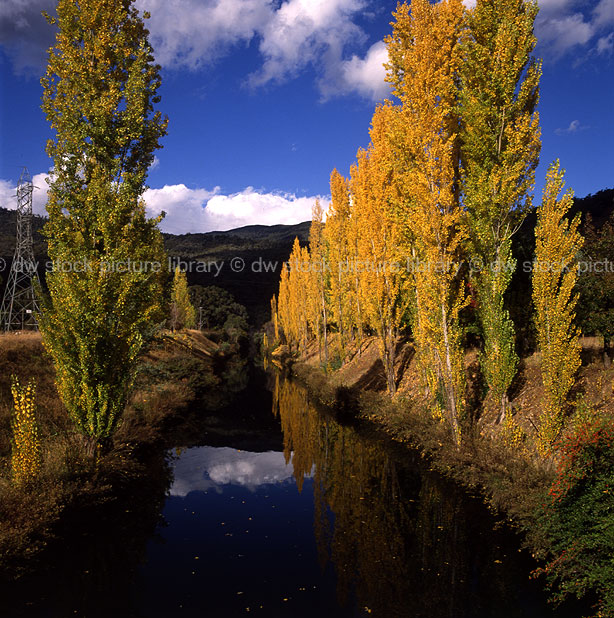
column 496, row 459
column 176, row 370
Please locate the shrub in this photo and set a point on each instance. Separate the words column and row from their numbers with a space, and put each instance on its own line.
column 577, row 517
column 511, row 433
column 26, row 456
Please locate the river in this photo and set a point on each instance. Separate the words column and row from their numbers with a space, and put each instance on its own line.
column 270, row 507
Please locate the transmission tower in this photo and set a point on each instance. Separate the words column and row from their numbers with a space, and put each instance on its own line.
column 19, row 306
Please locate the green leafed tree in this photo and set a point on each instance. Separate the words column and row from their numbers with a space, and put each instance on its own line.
column 596, row 283
column 105, row 290
column 183, row 314
column 500, row 144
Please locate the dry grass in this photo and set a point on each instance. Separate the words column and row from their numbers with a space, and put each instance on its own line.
column 513, row 477
column 28, row 513
column 23, row 355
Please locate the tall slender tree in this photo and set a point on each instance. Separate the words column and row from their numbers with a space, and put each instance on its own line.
column 424, row 63
column 298, row 309
column 555, row 274
column 356, row 311
column 284, row 315
column 315, row 262
column 336, row 236
column 381, row 269
column 100, row 89
column 500, row 139
column 183, row 314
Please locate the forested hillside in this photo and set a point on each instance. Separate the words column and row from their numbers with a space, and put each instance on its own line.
column 254, row 244
column 273, row 244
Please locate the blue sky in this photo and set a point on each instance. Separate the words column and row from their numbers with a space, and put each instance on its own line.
column 265, row 97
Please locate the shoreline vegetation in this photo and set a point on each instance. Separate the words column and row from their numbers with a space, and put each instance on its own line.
column 493, row 461
column 176, row 370
column 435, row 279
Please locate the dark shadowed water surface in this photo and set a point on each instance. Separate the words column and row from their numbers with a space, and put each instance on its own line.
column 270, row 508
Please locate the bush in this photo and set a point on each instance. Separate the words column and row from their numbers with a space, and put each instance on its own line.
column 577, row 517
column 26, row 458
column 218, row 310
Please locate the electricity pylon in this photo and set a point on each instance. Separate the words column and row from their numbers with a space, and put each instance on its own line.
column 19, row 306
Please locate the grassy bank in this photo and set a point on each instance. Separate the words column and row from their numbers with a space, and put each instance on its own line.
column 569, row 529
column 175, row 371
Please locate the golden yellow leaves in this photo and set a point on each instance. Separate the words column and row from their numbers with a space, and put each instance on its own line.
column 557, row 243
column 26, row 458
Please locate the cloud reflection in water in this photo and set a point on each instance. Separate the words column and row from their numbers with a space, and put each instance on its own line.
column 206, row 467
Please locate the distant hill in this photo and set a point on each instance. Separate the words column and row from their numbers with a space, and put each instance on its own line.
column 210, row 254
column 256, row 245
column 261, row 248
column 7, row 233
column 251, row 237
column 600, row 206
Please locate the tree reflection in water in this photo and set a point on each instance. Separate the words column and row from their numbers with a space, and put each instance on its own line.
column 403, row 540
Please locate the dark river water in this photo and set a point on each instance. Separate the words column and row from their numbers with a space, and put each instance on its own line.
column 269, row 507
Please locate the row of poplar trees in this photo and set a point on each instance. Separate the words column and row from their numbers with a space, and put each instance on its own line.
column 424, row 224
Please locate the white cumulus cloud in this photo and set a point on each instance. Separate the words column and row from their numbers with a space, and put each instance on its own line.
column 197, row 210
column 192, row 33
column 604, row 13
column 563, row 26
column 364, row 75
column 8, row 194
column 304, row 32
column 560, row 33
column 290, row 35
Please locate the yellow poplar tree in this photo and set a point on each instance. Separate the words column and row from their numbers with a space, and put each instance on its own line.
column 316, row 265
column 378, row 259
column 555, row 273
column 500, row 139
column 356, row 322
column 105, row 290
column 310, row 309
column 284, row 317
column 424, row 62
column 295, row 295
column 293, row 307
column 337, row 238
column 183, row 314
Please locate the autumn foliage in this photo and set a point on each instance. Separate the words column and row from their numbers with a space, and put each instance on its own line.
column 555, row 275
column 105, row 290
column 26, row 457
column 417, row 242
column 182, row 312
